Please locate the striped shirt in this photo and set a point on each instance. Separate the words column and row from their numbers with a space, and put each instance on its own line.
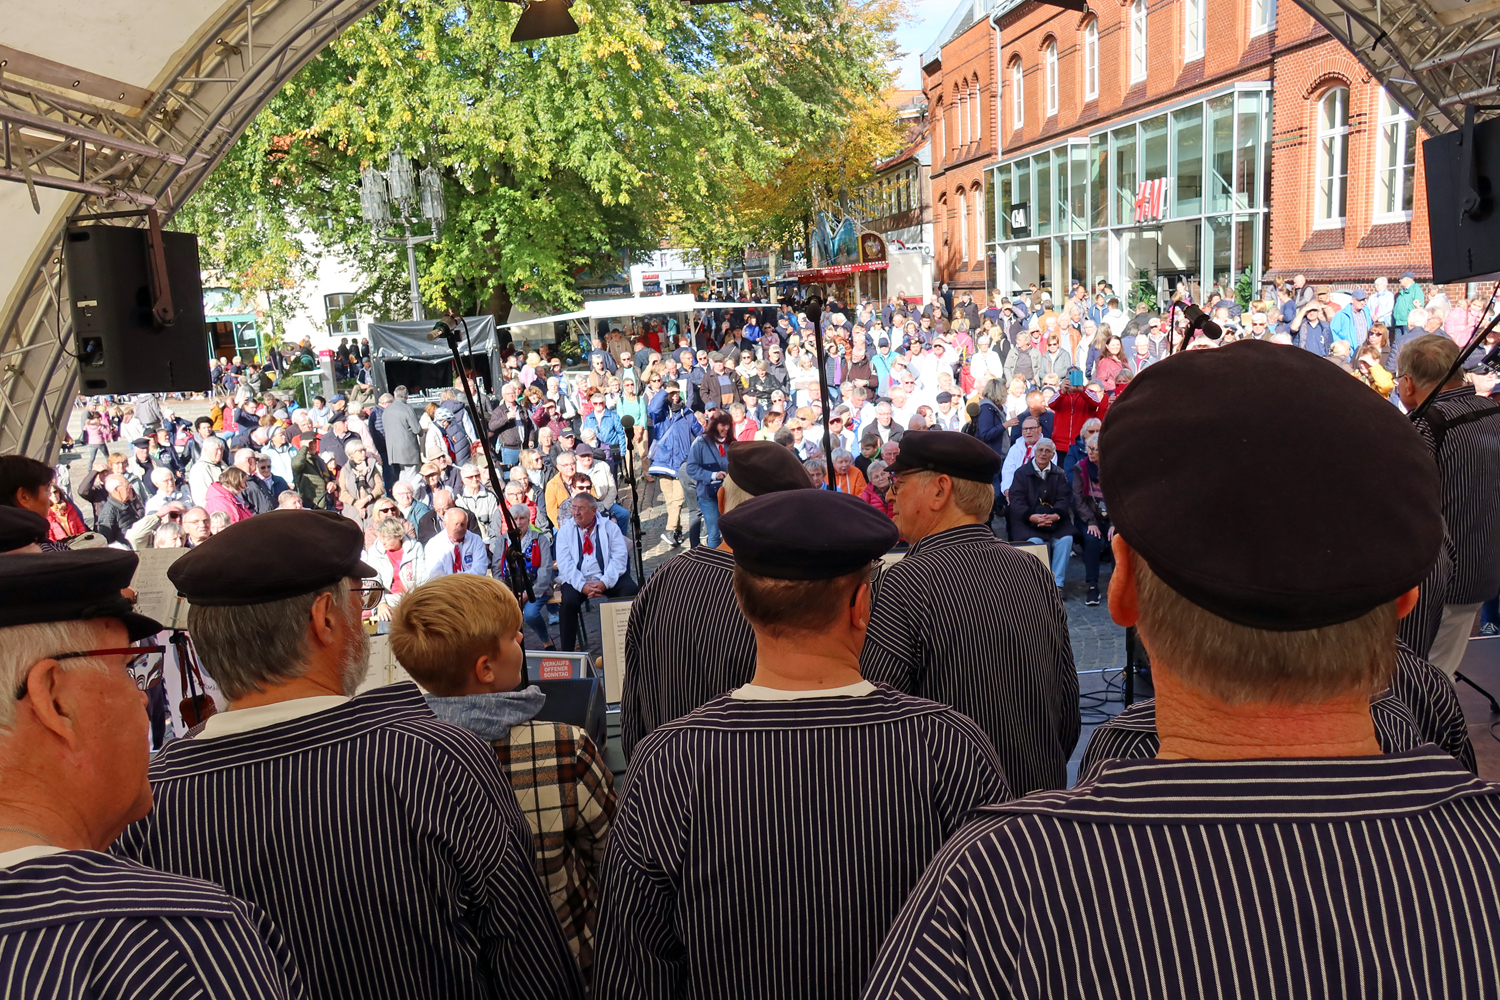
column 686, row 643
column 1469, row 466
column 966, row 620
column 385, row 844
column 763, row 848
column 1419, row 707
column 1348, row 877
column 82, row 924
column 1419, row 628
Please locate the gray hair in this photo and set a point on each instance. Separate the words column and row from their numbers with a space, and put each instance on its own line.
column 248, row 647
column 588, row 498
column 26, row 645
column 842, row 453
column 391, row 527
column 816, row 464
column 400, row 392
column 1044, row 442
column 166, row 535
column 520, row 510
column 874, row 467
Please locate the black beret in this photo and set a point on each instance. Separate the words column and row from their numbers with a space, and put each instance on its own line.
column 20, row 527
column 760, row 467
column 806, row 534
column 270, row 557
column 38, row 587
column 951, row 453
column 1198, row 463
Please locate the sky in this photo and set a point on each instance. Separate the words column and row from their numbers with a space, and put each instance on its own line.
column 919, row 31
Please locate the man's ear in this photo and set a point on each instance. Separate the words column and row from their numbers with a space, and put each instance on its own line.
column 1124, row 601
column 46, row 697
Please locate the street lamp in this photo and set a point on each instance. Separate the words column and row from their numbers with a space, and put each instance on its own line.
column 418, row 199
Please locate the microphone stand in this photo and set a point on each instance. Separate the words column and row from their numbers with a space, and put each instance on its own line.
column 516, row 573
column 628, row 422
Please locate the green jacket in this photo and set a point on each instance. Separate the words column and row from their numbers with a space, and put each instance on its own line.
column 1407, row 299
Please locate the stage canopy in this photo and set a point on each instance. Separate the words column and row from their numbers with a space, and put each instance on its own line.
column 120, row 105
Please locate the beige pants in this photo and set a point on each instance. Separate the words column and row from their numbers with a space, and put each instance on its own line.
column 1447, row 652
column 671, row 492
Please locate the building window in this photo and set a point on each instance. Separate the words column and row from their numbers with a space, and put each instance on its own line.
column 342, row 319
column 1017, row 94
column 1051, row 64
column 1091, row 61
column 963, row 227
column 1138, row 41
column 978, row 105
column 1192, row 29
column 1395, row 161
column 1333, row 157
column 942, row 136
column 980, row 236
column 1262, row 16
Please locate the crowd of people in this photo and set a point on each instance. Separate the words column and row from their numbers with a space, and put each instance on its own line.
column 840, row 785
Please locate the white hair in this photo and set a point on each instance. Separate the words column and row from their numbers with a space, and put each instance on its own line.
column 1041, row 442
column 1281, row 338
column 26, row 645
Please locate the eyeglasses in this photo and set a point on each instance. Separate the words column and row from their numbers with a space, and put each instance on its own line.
column 371, row 594
column 143, row 663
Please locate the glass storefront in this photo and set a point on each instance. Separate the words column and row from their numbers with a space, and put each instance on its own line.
column 1070, row 212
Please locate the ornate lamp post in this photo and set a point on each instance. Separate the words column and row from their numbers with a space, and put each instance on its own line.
column 418, row 201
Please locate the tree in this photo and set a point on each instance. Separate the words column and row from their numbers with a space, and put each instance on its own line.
column 653, row 119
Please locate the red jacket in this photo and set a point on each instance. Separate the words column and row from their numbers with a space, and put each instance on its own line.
column 1071, row 410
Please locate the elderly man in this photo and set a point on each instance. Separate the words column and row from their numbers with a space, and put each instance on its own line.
column 206, row 470
column 458, row 549
column 510, row 424
column 120, row 511
column 1464, row 437
column 998, row 651
column 75, row 921
column 559, row 488
column 167, row 491
column 289, row 500
column 686, row 641
column 403, row 434
column 1041, row 508
column 478, row 499
column 729, row 875
column 1031, row 433
column 592, row 562
column 385, row 845
column 541, row 569
column 1270, row 839
column 604, row 488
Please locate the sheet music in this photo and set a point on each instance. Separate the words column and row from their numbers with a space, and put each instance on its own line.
column 156, row 596
column 614, row 619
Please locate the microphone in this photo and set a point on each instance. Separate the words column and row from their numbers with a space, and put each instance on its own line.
column 627, row 422
column 1198, row 320
column 440, row 331
column 972, row 410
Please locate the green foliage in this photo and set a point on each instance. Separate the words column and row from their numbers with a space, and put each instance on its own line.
column 1143, row 289
column 1244, row 288
column 649, row 122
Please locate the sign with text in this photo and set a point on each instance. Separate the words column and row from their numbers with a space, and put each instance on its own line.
column 1150, row 200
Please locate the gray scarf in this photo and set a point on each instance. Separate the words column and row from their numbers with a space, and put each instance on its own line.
column 489, row 716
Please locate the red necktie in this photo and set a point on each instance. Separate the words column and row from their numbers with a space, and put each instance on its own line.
column 458, row 559
column 1028, row 455
column 588, row 545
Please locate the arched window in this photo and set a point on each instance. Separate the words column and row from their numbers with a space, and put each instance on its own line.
column 1091, row 61
column 1333, row 158
column 941, row 146
column 1050, row 61
column 1395, row 160
column 978, row 106
column 963, row 226
column 1193, row 27
column 1138, row 41
column 980, row 236
column 961, row 105
column 1017, row 94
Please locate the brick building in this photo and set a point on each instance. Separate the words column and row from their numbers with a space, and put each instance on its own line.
column 958, row 78
column 897, row 205
column 1140, row 144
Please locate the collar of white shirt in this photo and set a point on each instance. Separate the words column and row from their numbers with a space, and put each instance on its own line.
column 9, row 859
column 755, row 692
column 245, row 720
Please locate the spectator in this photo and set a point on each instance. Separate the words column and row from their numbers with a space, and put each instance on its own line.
column 541, row 569
column 359, row 481
column 1093, row 515
column 1110, row 364
column 205, row 471
column 603, row 487
column 217, row 522
column 847, row 478
column 1073, row 407
column 592, row 562
column 559, row 488
column 457, row 549
column 817, row 471
column 707, row 465
column 877, row 491
column 1041, row 507
column 1408, row 297
column 290, row 500
column 459, row 637
column 478, row 499
column 120, row 511
column 394, row 555
column 407, row 503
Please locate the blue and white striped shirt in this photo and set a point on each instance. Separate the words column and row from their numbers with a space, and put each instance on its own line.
column 386, row 845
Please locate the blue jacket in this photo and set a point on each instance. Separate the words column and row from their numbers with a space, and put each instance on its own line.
column 703, row 461
column 661, row 418
column 609, row 429
column 673, row 444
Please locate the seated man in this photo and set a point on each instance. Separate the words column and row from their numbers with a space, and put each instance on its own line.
column 1270, row 846
column 766, row 841
column 385, row 844
column 459, row 637
column 75, row 921
column 459, row 549
column 592, row 561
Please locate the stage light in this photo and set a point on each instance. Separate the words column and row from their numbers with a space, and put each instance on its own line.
column 544, row 19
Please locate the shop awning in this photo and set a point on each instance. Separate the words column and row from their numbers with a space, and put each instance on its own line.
column 818, row 275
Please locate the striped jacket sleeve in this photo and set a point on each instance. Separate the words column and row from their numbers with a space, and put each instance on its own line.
column 893, row 646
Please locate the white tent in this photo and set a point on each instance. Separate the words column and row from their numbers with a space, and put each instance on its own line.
column 632, row 308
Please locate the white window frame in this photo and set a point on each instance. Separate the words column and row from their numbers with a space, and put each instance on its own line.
column 977, row 103
column 961, row 105
column 1393, row 117
column 981, row 238
column 1091, row 61
column 1331, row 164
column 1138, row 51
column 963, row 226
column 1194, row 25
column 1262, row 16
column 349, row 315
column 1018, row 94
column 1049, row 60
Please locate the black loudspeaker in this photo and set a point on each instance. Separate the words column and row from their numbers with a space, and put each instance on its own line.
column 576, row 702
column 120, row 346
column 1465, row 243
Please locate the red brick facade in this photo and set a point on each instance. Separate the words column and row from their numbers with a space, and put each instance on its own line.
column 1308, row 64
column 960, row 90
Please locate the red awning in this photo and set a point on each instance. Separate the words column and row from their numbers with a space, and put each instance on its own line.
column 818, row 275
